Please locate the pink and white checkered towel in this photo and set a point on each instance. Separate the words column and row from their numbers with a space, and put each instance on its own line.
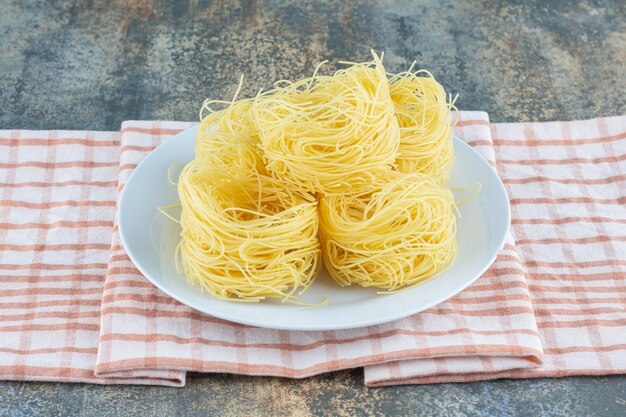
column 74, row 308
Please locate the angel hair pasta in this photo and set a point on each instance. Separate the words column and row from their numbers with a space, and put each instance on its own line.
column 375, row 148
column 246, row 237
column 423, row 112
column 228, row 138
column 399, row 234
column 330, row 134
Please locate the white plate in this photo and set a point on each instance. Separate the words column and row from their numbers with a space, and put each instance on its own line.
column 150, row 239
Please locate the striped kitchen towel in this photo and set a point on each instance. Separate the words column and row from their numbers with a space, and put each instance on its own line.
column 74, row 308
column 566, row 182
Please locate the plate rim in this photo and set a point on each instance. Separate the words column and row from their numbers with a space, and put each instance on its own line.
column 306, row 326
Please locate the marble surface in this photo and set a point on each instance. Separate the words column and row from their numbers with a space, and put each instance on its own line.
column 91, row 64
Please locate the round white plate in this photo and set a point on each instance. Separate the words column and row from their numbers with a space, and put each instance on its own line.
column 150, row 240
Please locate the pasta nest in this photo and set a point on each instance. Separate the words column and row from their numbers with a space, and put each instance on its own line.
column 398, row 234
column 246, row 236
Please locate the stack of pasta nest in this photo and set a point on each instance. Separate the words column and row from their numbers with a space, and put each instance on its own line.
column 348, row 170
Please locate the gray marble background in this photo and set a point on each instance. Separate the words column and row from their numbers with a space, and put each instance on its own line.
column 91, row 64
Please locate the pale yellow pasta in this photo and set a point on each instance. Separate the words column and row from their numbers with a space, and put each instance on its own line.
column 399, row 234
column 246, row 237
column 228, row 138
column 423, row 112
column 349, row 168
column 330, row 134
